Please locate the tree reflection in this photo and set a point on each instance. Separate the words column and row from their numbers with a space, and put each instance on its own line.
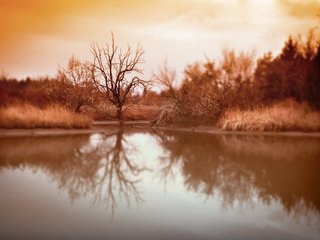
column 237, row 169
column 115, row 174
column 241, row 168
column 98, row 165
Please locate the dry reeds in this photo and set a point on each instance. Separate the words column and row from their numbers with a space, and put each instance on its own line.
column 283, row 116
column 28, row 116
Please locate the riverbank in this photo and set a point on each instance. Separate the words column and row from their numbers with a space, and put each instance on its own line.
column 46, row 132
column 112, row 128
column 285, row 116
column 217, row 131
column 285, row 119
column 104, row 127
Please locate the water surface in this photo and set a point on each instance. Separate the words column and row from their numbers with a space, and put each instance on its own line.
column 159, row 185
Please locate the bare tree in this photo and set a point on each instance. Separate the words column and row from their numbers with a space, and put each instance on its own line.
column 117, row 73
column 166, row 77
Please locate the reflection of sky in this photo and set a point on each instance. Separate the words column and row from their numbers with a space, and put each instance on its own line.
column 30, row 201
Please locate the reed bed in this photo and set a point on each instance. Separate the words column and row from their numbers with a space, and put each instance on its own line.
column 29, row 116
column 288, row 115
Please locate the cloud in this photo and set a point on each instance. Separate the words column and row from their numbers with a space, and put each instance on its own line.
column 301, row 9
column 37, row 35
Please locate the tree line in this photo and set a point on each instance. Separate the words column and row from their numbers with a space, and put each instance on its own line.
column 206, row 90
column 239, row 80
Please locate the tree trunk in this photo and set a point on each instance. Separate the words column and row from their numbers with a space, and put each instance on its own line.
column 77, row 109
column 120, row 115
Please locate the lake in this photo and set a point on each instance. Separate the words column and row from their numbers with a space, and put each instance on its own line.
column 156, row 184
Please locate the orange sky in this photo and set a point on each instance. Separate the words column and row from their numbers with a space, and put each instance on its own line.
column 38, row 35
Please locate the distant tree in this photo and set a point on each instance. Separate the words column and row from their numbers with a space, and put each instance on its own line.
column 209, row 88
column 151, row 98
column 31, row 91
column 264, row 87
column 73, row 86
column 117, row 73
column 291, row 74
column 166, row 78
column 200, row 90
column 290, row 49
column 236, row 78
column 313, row 80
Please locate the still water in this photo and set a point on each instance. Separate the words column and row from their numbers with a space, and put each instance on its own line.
column 159, row 185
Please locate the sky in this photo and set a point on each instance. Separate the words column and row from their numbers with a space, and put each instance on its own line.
column 38, row 36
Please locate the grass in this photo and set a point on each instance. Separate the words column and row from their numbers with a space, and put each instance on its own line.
column 28, row 116
column 284, row 116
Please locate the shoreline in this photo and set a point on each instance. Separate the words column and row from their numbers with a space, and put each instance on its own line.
column 107, row 126
column 96, row 127
column 217, row 131
column 47, row 132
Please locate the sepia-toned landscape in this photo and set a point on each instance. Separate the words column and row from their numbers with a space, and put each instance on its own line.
column 155, row 119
